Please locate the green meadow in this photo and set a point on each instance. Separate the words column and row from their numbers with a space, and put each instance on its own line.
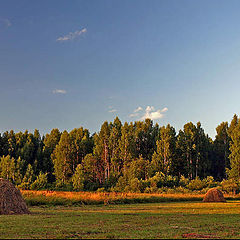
column 147, row 220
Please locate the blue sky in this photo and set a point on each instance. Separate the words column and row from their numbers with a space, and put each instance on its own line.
column 66, row 64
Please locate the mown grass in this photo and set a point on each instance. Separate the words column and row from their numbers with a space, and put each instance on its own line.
column 148, row 220
column 54, row 198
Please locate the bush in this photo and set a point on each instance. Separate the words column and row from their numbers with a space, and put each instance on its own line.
column 209, row 182
column 171, row 181
column 183, row 181
column 28, row 178
column 182, row 190
column 100, row 190
column 60, row 186
column 196, row 184
column 134, row 186
column 161, row 180
column 121, row 184
column 151, row 190
column 40, row 182
column 230, row 186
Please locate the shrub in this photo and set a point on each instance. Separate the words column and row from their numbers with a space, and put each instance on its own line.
column 230, row 186
column 121, row 184
column 182, row 190
column 40, row 182
column 28, row 178
column 134, row 186
column 196, row 184
column 61, row 186
column 183, row 181
column 170, row 181
column 151, row 190
column 100, row 190
column 209, row 182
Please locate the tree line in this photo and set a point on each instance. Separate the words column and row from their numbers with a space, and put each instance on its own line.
column 119, row 155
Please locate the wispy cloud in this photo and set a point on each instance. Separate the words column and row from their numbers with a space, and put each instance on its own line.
column 149, row 112
column 111, row 109
column 59, row 91
column 136, row 112
column 72, row 35
column 6, row 22
column 138, row 109
column 164, row 110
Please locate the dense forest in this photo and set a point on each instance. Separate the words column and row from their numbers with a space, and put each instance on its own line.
column 120, row 157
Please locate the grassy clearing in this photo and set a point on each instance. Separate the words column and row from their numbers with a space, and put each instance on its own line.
column 36, row 198
column 54, row 198
column 152, row 220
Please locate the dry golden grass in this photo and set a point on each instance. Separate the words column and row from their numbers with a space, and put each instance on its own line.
column 99, row 196
column 72, row 198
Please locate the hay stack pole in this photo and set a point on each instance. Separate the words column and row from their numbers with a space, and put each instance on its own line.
column 11, row 200
column 214, row 195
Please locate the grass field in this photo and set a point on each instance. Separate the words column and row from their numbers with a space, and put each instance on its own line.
column 53, row 198
column 148, row 220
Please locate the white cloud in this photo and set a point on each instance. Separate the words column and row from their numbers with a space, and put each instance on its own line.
column 150, row 108
column 136, row 112
column 72, row 35
column 138, row 109
column 59, row 91
column 149, row 113
column 112, row 111
column 133, row 115
column 164, row 110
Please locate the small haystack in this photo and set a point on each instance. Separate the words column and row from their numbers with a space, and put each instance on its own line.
column 11, row 200
column 214, row 195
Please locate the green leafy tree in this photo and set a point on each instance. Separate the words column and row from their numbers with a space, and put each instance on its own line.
column 102, row 148
column 221, row 151
column 127, row 145
column 19, row 171
column 114, row 138
column 163, row 158
column 40, row 182
column 62, row 160
column 50, row 142
column 140, row 169
column 93, row 171
column 28, row 179
column 145, row 135
column 7, row 168
column 78, row 178
column 81, row 144
column 234, row 133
